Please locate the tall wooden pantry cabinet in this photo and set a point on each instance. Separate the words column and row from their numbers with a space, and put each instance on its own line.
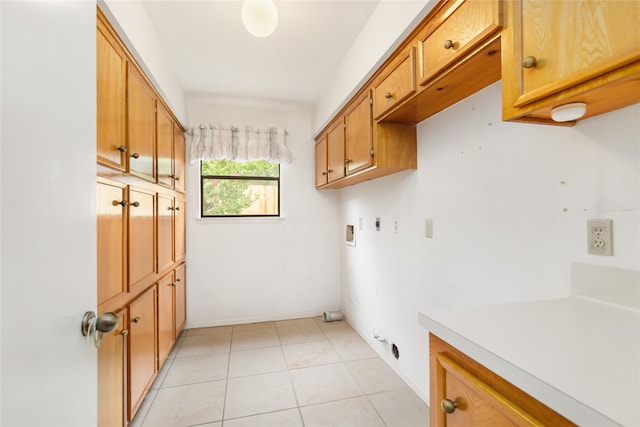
column 141, row 228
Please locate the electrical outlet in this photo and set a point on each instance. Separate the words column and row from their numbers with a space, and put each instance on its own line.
column 428, row 228
column 396, row 227
column 377, row 224
column 600, row 237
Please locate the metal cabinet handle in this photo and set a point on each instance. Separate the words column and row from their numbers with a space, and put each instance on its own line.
column 530, row 62
column 135, row 155
column 448, row 406
column 449, row 44
column 122, row 149
column 135, row 204
column 136, row 320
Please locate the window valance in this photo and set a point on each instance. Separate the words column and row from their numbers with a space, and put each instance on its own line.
column 239, row 143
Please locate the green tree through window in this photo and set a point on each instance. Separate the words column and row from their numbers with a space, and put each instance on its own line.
column 240, row 188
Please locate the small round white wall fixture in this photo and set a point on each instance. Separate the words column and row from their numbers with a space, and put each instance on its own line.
column 260, row 17
column 569, row 112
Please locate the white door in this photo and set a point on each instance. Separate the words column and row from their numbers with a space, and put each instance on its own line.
column 48, row 202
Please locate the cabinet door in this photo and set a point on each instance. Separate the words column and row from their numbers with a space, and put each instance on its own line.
column 359, row 135
column 180, row 242
column 463, row 29
column 142, row 127
column 476, row 403
column 112, row 231
column 321, row 161
column 165, row 232
column 166, row 331
column 335, row 151
column 142, row 260
column 573, row 41
column 111, row 376
column 180, row 293
column 179, row 153
column 111, row 75
column 142, row 347
column 398, row 84
column 164, row 137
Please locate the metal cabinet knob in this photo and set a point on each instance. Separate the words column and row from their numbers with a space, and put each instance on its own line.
column 124, row 332
column 530, row 62
column 122, row 203
column 136, row 320
column 388, row 95
column 135, row 155
column 171, row 208
column 449, row 44
column 448, row 406
column 177, row 178
column 135, row 204
column 122, row 149
column 171, row 284
column 177, row 208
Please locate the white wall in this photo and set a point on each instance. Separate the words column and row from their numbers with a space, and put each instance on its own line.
column 372, row 46
column 505, row 227
column 49, row 373
column 132, row 23
column 247, row 270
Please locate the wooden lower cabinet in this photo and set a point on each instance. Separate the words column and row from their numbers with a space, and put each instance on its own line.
column 142, row 347
column 180, row 298
column 465, row 393
column 166, row 324
column 112, row 367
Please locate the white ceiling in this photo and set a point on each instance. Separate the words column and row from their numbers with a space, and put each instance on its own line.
column 211, row 53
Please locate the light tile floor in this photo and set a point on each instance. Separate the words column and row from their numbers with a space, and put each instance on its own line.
column 292, row 373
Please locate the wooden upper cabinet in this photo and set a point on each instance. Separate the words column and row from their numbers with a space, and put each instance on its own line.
column 581, row 39
column 180, row 301
column 179, row 154
column 164, row 135
column 396, row 83
column 358, row 135
column 464, row 25
column 142, row 126
column 142, row 255
column 335, row 151
column 142, row 347
column 465, row 393
column 321, row 161
column 111, row 100
column 559, row 52
column 112, row 231
column 112, row 355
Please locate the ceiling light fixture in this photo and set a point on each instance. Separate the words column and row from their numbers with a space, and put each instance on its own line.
column 260, row 17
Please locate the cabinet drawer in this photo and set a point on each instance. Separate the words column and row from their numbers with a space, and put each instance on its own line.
column 397, row 85
column 467, row 25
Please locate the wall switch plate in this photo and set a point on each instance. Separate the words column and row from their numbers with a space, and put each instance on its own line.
column 428, row 228
column 377, row 224
column 600, row 237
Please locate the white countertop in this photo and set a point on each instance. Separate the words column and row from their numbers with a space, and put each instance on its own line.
column 578, row 356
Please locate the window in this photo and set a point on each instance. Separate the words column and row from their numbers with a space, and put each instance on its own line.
column 239, row 189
